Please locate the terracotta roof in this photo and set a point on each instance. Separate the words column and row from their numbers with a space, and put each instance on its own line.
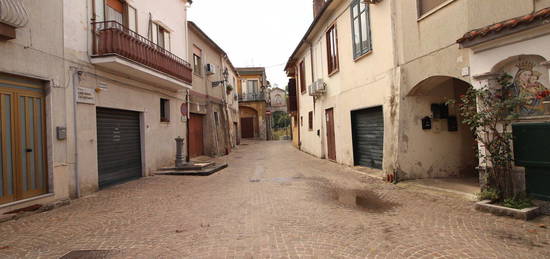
column 508, row 24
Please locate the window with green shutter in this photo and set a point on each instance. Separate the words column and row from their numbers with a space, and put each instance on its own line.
column 360, row 25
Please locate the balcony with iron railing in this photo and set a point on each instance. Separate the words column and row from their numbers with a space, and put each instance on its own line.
column 123, row 50
column 252, row 97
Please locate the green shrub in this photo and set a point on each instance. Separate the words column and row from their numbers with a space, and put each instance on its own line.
column 488, row 194
column 518, row 202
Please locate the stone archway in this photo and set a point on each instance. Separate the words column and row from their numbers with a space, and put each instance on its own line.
column 447, row 148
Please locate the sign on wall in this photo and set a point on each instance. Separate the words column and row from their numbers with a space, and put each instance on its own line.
column 85, row 95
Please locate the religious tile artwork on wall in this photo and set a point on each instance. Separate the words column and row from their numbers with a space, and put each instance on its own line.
column 530, row 79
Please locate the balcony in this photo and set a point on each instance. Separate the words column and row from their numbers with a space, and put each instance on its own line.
column 252, row 97
column 121, row 50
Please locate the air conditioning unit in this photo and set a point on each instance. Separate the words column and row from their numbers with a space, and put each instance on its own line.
column 210, row 69
column 318, row 88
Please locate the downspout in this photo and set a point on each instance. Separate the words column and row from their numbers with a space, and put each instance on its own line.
column 76, row 76
column 396, row 82
column 225, row 108
column 188, row 100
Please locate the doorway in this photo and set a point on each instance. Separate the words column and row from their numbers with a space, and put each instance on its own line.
column 331, row 139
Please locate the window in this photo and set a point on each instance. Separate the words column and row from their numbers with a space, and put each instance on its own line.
column 251, row 86
column 302, row 74
column 310, row 120
column 197, row 65
column 160, row 36
column 197, row 60
column 116, row 10
column 132, row 18
column 216, row 119
column 301, row 121
column 361, row 28
column 164, row 110
column 425, row 6
column 332, row 50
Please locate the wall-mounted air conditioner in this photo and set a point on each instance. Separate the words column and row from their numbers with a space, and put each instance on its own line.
column 318, row 88
column 210, row 69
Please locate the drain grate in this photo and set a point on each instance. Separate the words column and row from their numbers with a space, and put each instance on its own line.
column 88, row 254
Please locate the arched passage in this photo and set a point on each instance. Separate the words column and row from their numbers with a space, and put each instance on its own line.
column 445, row 147
column 249, row 122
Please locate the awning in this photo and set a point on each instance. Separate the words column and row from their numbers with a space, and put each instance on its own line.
column 13, row 13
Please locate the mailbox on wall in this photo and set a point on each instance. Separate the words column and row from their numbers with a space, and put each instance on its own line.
column 426, row 123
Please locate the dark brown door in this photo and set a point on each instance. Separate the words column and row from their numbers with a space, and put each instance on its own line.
column 196, row 137
column 331, row 142
column 247, row 127
column 236, row 125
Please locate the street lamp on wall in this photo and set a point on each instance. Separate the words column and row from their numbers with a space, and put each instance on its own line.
column 225, row 76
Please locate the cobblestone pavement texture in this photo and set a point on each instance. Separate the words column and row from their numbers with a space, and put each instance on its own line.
column 272, row 202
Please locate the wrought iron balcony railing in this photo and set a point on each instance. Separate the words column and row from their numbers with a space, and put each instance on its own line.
column 112, row 38
column 251, row 97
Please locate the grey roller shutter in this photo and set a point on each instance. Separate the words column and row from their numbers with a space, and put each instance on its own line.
column 368, row 137
column 118, row 146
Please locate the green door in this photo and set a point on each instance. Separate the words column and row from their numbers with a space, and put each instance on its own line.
column 532, row 151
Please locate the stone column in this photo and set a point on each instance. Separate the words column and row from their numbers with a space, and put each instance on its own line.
column 180, row 158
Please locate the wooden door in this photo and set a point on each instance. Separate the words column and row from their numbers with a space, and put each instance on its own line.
column 331, row 140
column 23, row 167
column 236, row 126
column 196, row 135
column 247, row 127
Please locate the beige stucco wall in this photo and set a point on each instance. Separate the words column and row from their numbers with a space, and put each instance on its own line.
column 427, row 48
column 37, row 53
column 217, row 140
column 122, row 92
column 359, row 84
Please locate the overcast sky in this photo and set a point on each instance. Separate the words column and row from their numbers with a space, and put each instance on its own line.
column 255, row 32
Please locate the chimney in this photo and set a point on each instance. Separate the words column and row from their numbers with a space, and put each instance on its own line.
column 317, row 7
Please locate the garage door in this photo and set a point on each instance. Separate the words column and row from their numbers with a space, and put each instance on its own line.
column 368, row 137
column 196, row 137
column 118, row 146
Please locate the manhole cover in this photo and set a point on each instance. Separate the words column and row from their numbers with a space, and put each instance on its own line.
column 88, row 254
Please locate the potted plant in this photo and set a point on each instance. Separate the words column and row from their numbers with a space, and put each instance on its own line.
column 228, row 89
column 490, row 112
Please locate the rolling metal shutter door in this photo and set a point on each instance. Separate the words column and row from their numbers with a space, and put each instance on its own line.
column 368, row 137
column 118, row 146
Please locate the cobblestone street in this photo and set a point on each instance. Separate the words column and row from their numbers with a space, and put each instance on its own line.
column 272, row 202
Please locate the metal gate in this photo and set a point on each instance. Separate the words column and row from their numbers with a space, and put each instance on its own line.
column 531, row 150
column 118, row 146
column 23, row 168
column 368, row 137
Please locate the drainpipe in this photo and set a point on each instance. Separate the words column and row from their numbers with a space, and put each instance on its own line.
column 188, row 100
column 225, row 107
column 76, row 79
